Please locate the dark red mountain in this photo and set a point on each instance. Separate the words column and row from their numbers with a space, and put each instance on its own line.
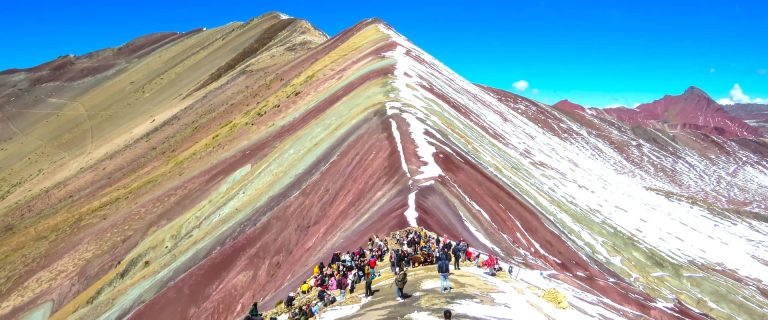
column 693, row 110
column 565, row 105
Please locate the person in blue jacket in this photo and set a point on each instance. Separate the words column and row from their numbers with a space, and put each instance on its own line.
column 443, row 268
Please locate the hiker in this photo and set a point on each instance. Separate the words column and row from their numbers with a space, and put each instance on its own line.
column 369, row 283
column 509, row 270
column 321, row 294
column 491, row 265
column 372, row 264
column 360, row 272
column 331, row 284
column 315, row 309
column 456, row 256
column 254, row 313
column 447, row 314
column 447, row 243
column 400, row 282
column 289, row 300
column 305, row 288
column 392, row 260
column 444, row 270
column 342, row 279
column 448, row 247
column 351, row 283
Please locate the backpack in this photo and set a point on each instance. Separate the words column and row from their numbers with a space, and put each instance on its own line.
column 401, row 280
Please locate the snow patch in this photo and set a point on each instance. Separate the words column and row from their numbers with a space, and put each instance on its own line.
column 430, row 284
column 338, row 312
column 421, row 315
column 411, row 213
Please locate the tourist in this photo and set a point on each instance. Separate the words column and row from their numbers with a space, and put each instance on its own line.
column 369, row 283
column 400, row 281
column 456, row 256
column 254, row 313
column 392, row 260
column 343, row 283
column 332, row 283
column 316, row 309
column 289, row 300
column 443, row 269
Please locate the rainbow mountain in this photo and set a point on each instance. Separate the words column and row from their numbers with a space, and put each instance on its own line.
column 186, row 175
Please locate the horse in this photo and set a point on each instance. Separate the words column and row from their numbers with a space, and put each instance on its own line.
column 416, row 261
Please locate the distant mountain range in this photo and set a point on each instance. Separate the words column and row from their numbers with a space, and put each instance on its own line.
column 693, row 110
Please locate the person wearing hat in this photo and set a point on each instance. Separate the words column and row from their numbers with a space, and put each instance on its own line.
column 400, row 281
column 290, row 299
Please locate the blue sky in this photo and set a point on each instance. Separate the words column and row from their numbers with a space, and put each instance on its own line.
column 596, row 53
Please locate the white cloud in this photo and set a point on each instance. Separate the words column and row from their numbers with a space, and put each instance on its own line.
column 520, row 85
column 612, row 105
column 762, row 72
column 535, row 91
column 711, row 70
column 737, row 96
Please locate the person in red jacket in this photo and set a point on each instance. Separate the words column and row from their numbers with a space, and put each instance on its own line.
column 372, row 264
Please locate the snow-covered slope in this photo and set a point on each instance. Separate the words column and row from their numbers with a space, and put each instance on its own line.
column 664, row 210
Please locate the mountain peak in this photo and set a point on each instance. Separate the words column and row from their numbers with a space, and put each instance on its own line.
column 694, row 91
column 566, row 105
column 275, row 14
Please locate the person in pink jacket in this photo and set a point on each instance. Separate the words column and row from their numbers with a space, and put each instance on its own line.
column 332, row 284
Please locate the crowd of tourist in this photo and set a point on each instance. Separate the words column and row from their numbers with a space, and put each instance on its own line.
column 344, row 272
